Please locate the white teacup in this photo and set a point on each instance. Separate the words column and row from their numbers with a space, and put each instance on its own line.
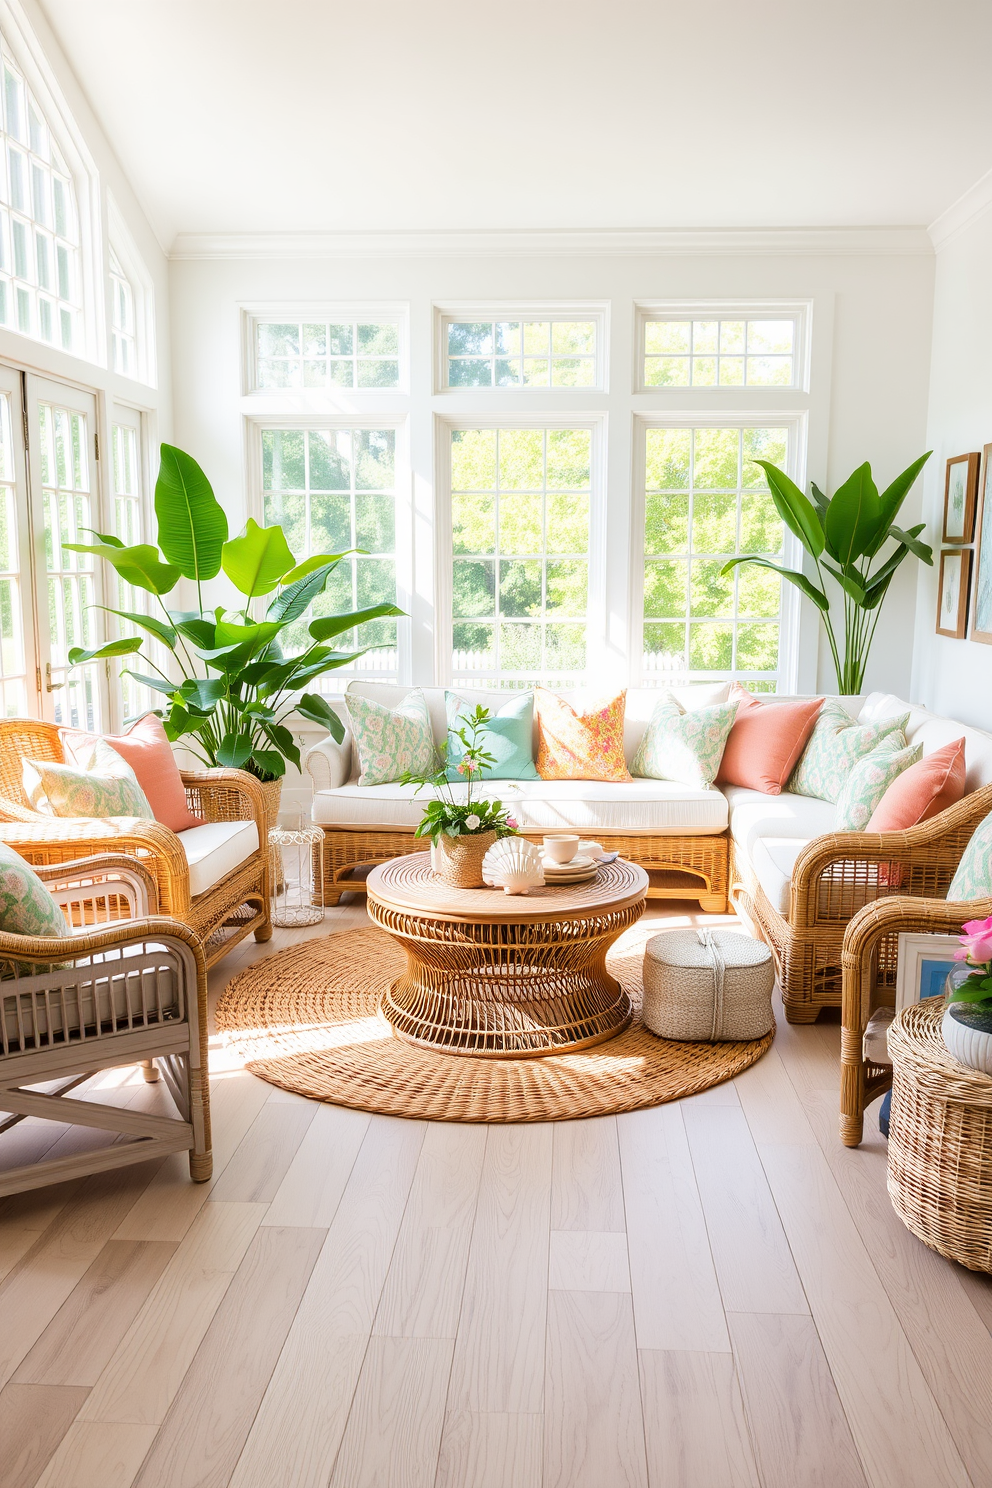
column 561, row 847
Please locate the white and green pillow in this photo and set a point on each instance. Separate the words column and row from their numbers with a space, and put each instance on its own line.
column 870, row 779
column 101, row 785
column 26, row 906
column 973, row 880
column 391, row 741
column 509, row 737
column 835, row 746
column 684, row 747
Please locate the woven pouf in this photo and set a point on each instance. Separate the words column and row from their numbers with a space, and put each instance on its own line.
column 707, row 984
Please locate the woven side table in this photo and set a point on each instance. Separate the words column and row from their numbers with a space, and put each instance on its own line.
column 298, row 886
column 940, row 1141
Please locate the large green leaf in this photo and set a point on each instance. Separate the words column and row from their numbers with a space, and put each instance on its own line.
column 853, row 516
column 893, row 497
column 327, row 626
column 296, row 598
column 796, row 510
column 192, row 524
column 234, row 750
column 316, row 667
column 318, row 560
column 270, row 762
column 157, row 684
column 155, row 627
column 798, row 579
column 910, row 540
column 141, row 566
column 203, row 691
column 126, row 646
column 257, row 561
column 849, row 582
column 284, row 742
column 316, row 710
column 194, row 628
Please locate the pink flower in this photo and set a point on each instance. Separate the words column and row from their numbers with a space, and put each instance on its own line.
column 977, row 942
column 511, row 821
column 461, row 769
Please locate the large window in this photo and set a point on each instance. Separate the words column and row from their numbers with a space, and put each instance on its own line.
column 503, row 347
column 705, row 501
column 520, row 527
column 40, row 292
column 334, row 490
column 122, row 320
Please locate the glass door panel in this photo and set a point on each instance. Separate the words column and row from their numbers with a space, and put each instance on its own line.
column 18, row 691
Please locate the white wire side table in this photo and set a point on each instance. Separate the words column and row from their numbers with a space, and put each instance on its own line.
column 298, row 885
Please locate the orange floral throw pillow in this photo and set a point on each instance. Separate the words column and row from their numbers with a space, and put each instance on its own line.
column 580, row 746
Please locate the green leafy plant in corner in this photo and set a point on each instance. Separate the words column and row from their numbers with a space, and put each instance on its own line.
column 230, row 687
column 844, row 535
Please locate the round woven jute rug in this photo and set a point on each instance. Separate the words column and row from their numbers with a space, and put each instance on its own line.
column 308, row 1020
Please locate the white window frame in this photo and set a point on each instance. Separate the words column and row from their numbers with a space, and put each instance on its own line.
column 42, row 81
column 255, row 423
column 597, row 311
column 143, row 294
column 798, row 311
column 283, row 312
column 596, row 621
column 796, row 422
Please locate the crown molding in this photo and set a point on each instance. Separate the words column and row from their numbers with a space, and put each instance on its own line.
column 960, row 215
column 632, row 243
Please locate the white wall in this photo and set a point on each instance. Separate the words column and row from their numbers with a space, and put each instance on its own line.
column 955, row 677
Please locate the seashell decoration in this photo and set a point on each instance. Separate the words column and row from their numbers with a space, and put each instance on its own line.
column 513, row 865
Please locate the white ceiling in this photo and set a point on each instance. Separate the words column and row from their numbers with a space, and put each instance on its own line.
column 259, row 115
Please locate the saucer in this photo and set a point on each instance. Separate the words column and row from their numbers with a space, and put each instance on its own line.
column 573, row 865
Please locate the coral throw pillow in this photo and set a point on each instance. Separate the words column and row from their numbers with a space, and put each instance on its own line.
column 580, row 746
column 922, row 791
column 147, row 750
column 766, row 741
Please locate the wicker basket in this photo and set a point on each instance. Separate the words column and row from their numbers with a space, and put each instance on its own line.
column 458, row 860
column 940, row 1141
column 707, row 984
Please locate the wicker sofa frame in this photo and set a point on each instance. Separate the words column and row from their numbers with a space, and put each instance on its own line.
column 222, row 915
column 677, row 867
column 60, row 1024
column 870, row 955
column 836, row 877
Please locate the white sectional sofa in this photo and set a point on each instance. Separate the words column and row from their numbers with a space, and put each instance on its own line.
column 695, row 844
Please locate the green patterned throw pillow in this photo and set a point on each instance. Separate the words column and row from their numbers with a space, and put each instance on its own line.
column 26, row 906
column 391, row 740
column 871, row 778
column 684, row 747
column 835, row 746
column 101, row 785
column 973, row 880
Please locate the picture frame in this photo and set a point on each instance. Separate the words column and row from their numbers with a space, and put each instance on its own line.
column 923, row 962
column 960, row 497
column 981, row 601
column 952, row 593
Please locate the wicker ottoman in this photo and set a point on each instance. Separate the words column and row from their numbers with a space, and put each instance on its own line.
column 707, row 984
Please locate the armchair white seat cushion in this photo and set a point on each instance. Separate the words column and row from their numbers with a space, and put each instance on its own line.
column 753, row 815
column 215, row 850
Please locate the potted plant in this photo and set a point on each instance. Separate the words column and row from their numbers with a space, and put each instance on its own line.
column 967, row 1021
column 231, row 678
column 462, row 832
column 844, row 535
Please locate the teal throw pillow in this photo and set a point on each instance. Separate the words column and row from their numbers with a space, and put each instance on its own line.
column 509, row 737
column 973, row 880
column 871, row 778
column 391, row 740
column 835, row 746
column 684, row 747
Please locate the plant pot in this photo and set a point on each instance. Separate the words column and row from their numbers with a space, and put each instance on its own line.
column 966, row 1028
column 458, row 860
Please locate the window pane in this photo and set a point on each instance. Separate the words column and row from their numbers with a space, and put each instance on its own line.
column 690, row 533
column 521, row 353
column 328, row 354
column 518, row 617
column 13, row 670
column 720, row 353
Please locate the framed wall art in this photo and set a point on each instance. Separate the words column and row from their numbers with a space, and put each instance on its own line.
column 923, row 962
column 952, row 602
column 960, row 495
column 981, row 613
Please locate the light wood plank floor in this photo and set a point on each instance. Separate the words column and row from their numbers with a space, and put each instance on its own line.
column 711, row 1294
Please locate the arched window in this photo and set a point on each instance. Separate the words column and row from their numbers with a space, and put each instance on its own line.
column 122, row 319
column 40, row 282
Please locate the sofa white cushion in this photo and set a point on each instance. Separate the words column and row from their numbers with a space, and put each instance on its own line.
column 215, row 850
column 754, row 815
column 933, row 732
column 656, row 805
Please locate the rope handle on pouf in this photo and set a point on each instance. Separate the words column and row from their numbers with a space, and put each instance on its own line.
column 708, row 942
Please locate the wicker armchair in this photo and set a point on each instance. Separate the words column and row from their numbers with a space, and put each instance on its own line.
column 837, row 876
column 125, row 988
column 869, row 962
column 220, row 916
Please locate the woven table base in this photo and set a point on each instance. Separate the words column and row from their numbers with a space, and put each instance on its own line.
column 309, row 1021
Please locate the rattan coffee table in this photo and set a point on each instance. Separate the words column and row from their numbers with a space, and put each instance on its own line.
column 500, row 975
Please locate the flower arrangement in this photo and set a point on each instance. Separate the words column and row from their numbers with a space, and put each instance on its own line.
column 976, row 952
column 477, row 814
